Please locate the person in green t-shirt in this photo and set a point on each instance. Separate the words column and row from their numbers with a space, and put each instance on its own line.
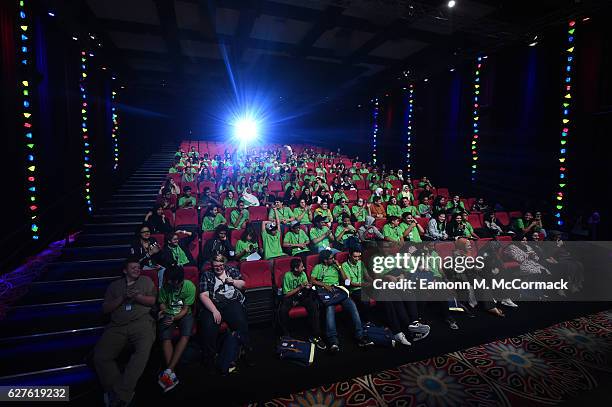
column 176, row 250
column 324, row 211
column 393, row 209
column 239, row 216
column 345, row 231
column 340, row 194
column 212, row 219
column 296, row 240
column 340, row 209
column 297, row 291
column 411, row 230
column 176, row 297
column 326, row 276
column 247, row 245
column 281, row 213
column 360, row 210
column 321, row 235
column 271, row 238
column 391, row 231
column 424, row 209
column 355, row 273
column 187, row 200
column 455, row 206
column 407, row 208
column 230, row 200
column 303, row 213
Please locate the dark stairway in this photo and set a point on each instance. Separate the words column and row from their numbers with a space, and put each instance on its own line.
column 48, row 332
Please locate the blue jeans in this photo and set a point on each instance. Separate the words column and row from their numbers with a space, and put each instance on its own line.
column 330, row 320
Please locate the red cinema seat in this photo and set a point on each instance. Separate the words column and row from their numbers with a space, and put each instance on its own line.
column 170, row 216
column 360, row 184
column 175, row 177
column 256, row 274
column 185, row 216
column 364, row 194
column 515, row 214
column 275, row 186
column 445, row 249
column 193, row 185
column 160, row 238
column 192, row 274
column 397, row 184
column 380, row 223
column 279, row 268
column 351, row 194
column 258, row 213
column 342, row 257
column 311, row 261
column 423, row 222
column 504, row 238
column 227, row 214
column 329, row 178
column 236, row 235
column 443, row 192
column 475, row 220
column 503, row 218
column 208, row 235
column 204, row 184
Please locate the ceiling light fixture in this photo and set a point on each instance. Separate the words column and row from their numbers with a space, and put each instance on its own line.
column 452, row 3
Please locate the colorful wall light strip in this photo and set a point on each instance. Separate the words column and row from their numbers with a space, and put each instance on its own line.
column 375, row 131
column 409, row 130
column 566, row 104
column 87, row 162
column 25, row 57
column 476, row 116
column 115, row 129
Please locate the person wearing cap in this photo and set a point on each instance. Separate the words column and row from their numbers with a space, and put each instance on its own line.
column 346, row 234
column 326, row 276
column 271, row 238
column 340, row 209
column 320, row 235
column 296, row 240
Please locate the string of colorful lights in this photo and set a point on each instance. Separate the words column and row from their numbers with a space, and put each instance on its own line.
column 409, row 130
column 31, row 175
column 115, row 129
column 565, row 123
column 476, row 117
column 375, row 130
column 87, row 165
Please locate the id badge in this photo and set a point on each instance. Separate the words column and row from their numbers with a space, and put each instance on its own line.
column 128, row 307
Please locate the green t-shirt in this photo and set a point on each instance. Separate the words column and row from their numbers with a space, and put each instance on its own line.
column 326, row 213
column 210, row 223
column 374, row 186
column 176, row 300
column 339, row 195
column 394, row 210
column 235, row 215
column 285, row 213
column 296, row 238
column 354, row 272
column 326, row 274
column 291, row 281
column 184, row 201
column 414, row 235
column 433, row 265
column 393, row 233
column 410, row 209
column 241, row 245
column 360, row 213
column 305, row 220
column 272, row 245
column 179, row 256
column 469, row 229
column 316, row 233
column 423, row 209
column 229, row 203
column 338, row 210
column 172, row 170
column 345, row 236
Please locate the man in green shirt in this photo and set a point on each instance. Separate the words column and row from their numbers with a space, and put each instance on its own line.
column 270, row 236
column 355, row 273
column 391, row 231
column 297, row 291
column 281, row 213
column 411, row 230
column 187, row 200
column 320, row 235
column 407, row 208
column 238, row 217
column 340, row 209
column 296, row 240
column 326, row 276
column 345, row 231
column 176, row 297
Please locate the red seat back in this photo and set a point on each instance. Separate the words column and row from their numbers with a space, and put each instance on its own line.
column 275, row 186
column 476, row 220
column 256, row 273
column 279, row 268
column 186, row 216
column 360, row 184
column 351, row 194
column 364, row 194
column 258, row 213
column 503, row 218
column 443, row 192
column 311, row 261
column 205, row 184
column 342, row 257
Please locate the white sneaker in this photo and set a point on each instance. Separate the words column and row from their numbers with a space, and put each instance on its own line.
column 401, row 338
column 509, row 303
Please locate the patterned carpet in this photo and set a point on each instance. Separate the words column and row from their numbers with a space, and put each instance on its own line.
column 545, row 367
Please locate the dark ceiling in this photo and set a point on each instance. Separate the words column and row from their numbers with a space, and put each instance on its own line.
column 305, row 49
